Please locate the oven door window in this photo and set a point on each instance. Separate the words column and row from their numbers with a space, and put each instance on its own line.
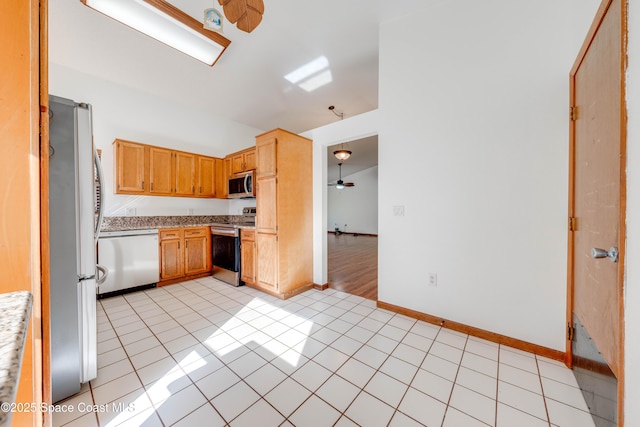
column 226, row 252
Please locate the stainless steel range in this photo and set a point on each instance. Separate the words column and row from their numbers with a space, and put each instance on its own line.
column 226, row 247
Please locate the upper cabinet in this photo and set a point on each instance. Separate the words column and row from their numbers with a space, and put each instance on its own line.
column 130, row 167
column 156, row 171
column 242, row 161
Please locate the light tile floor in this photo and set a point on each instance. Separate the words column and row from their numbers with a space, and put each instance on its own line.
column 203, row 353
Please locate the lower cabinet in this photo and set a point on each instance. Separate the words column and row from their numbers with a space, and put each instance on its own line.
column 184, row 253
column 248, row 256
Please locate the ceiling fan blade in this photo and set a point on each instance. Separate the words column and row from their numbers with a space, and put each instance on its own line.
column 349, row 184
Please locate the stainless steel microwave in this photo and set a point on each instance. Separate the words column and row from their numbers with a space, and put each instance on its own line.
column 242, row 185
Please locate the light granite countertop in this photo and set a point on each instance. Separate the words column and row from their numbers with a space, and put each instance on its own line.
column 14, row 323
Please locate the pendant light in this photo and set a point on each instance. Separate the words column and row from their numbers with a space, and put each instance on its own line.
column 340, row 154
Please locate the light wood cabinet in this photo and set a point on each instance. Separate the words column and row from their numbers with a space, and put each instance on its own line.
column 160, row 171
column 248, row 256
column 284, row 213
column 171, row 254
column 197, row 256
column 206, row 176
column 157, row 171
column 184, row 253
column 243, row 161
column 221, row 179
column 130, row 167
column 185, row 173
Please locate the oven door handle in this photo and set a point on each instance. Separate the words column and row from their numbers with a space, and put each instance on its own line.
column 227, row 233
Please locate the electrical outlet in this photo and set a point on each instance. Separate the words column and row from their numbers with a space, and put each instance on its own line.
column 433, row 279
column 190, row 211
column 130, row 212
column 398, row 211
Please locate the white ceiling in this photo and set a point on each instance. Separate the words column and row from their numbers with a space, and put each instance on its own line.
column 246, row 84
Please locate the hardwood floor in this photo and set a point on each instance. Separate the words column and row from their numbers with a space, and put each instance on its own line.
column 353, row 264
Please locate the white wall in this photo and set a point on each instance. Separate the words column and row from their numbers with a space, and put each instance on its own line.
column 350, row 129
column 355, row 209
column 632, row 283
column 125, row 113
column 473, row 108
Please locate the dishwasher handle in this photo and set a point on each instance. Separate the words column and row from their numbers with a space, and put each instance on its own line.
column 105, row 273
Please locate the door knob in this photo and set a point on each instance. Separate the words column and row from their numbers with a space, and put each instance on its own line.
column 612, row 253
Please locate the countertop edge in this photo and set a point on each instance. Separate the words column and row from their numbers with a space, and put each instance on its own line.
column 14, row 324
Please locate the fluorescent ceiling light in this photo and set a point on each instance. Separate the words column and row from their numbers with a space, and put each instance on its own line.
column 308, row 69
column 167, row 24
column 317, row 81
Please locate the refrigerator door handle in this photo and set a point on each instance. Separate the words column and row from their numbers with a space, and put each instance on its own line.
column 105, row 273
column 96, row 160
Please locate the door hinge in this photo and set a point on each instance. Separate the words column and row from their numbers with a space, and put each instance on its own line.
column 151, row 187
column 570, row 331
column 573, row 223
column 573, row 113
column 143, row 185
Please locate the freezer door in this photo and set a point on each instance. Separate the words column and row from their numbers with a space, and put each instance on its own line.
column 88, row 329
column 86, row 194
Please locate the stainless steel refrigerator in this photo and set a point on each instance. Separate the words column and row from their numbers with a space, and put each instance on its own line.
column 74, row 224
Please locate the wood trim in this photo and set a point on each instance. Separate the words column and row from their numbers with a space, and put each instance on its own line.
column 183, row 279
column 321, row 287
column 45, row 263
column 283, row 296
column 354, row 234
column 622, row 233
column 476, row 332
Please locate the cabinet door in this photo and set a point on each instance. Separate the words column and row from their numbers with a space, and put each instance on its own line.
column 248, row 256
column 237, row 163
column 129, row 167
column 206, row 176
column 266, row 157
column 160, row 169
column 267, row 252
column 196, row 255
column 185, row 166
column 171, row 259
column 266, row 205
column 221, row 180
column 250, row 160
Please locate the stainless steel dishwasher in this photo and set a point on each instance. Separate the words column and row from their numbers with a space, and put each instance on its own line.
column 130, row 259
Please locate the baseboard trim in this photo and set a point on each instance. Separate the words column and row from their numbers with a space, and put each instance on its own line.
column 353, row 234
column 321, row 287
column 476, row 332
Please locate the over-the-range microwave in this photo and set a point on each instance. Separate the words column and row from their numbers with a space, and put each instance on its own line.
column 241, row 185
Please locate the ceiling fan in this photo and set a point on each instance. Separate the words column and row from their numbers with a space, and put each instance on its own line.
column 340, row 184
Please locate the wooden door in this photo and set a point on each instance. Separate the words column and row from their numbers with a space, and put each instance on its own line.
column 250, row 160
column 268, row 261
column 237, row 163
column 266, row 205
column 171, row 254
column 130, row 167
column 597, row 182
column 266, row 156
column 160, row 169
column 248, row 256
column 206, row 176
column 185, row 164
column 196, row 255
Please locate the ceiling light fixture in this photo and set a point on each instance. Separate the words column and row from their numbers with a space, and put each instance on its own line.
column 340, row 154
column 167, row 24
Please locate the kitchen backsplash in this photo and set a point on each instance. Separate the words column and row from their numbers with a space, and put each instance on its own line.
column 112, row 223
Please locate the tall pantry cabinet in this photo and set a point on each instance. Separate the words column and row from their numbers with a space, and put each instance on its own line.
column 284, row 213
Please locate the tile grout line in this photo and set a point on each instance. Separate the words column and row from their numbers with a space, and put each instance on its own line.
column 544, row 399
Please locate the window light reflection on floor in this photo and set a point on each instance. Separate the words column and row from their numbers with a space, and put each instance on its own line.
column 232, row 335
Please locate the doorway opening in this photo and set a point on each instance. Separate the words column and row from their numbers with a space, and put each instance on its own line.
column 352, row 218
